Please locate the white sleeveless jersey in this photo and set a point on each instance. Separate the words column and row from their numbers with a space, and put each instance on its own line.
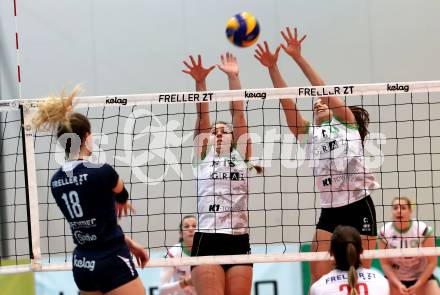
column 406, row 268
column 369, row 282
column 336, row 154
column 183, row 271
column 222, row 193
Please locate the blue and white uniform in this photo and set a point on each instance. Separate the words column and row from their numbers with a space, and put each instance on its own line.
column 83, row 191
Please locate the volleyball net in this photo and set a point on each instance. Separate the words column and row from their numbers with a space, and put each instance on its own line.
column 148, row 139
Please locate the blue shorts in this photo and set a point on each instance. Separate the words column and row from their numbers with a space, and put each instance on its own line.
column 97, row 272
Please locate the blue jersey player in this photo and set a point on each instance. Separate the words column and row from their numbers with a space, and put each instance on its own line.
column 88, row 194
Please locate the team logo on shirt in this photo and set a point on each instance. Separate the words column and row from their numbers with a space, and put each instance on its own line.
column 367, row 226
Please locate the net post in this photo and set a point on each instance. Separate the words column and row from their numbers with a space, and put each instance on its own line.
column 31, row 188
column 4, row 249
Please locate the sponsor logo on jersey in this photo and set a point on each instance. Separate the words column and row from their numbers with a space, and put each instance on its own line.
column 234, row 176
column 83, row 263
column 366, row 227
column 83, row 223
column 83, row 238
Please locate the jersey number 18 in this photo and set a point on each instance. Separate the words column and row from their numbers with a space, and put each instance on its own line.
column 72, row 204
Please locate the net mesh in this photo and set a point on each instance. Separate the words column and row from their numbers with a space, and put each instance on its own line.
column 14, row 238
column 151, row 147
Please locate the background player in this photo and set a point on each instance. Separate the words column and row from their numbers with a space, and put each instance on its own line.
column 408, row 275
column 177, row 280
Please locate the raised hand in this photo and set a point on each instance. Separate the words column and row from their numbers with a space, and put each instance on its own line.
column 229, row 64
column 265, row 56
column 196, row 69
column 293, row 46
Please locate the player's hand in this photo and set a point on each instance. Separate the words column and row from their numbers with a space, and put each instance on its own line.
column 122, row 209
column 196, row 69
column 403, row 290
column 293, row 45
column 412, row 290
column 139, row 253
column 265, row 56
column 229, row 64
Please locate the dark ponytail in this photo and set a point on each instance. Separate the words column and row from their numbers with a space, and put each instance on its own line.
column 346, row 248
column 362, row 119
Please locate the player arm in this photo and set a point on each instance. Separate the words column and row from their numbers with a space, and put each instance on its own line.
column 432, row 261
column 203, row 123
column 167, row 286
column 202, row 129
column 138, row 251
column 112, row 178
column 119, row 186
column 241, row 136
column 335, row 103
column 386, row 265
column 295, row 121
column 121, row 196
column 242, row 141
column 293, row 49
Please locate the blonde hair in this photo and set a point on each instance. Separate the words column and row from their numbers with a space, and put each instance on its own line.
column 55, row 110
column 352, row 259
column 56, row 113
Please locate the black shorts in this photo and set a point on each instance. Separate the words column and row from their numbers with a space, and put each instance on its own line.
column 360, row 215
column 212, row 244
column 103, row 273
column 411, row 283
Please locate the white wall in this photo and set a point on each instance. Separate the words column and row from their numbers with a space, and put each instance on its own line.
column 116, row 47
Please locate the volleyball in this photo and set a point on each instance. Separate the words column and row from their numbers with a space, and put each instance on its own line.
column 243, row 29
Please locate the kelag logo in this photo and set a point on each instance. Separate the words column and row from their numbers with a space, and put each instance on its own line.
column 398, row 87
column 116, row 100
column 261, row 95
